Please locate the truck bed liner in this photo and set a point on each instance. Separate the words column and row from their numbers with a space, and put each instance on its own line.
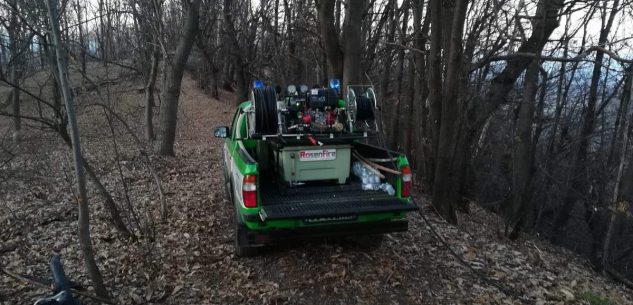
column 327, row 201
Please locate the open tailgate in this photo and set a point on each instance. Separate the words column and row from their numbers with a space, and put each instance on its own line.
column 328, row 202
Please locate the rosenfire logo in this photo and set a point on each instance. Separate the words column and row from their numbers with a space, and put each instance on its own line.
column 317, row 155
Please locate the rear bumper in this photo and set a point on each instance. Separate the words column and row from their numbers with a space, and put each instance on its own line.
column 336, row 208
column 260, row 238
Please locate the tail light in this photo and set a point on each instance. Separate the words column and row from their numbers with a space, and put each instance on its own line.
column 405, row 186
column 249, row 191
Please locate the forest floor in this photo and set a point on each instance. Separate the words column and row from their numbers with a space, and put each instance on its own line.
column 191, row 260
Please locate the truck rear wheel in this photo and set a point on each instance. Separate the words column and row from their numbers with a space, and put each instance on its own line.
column 239, row 236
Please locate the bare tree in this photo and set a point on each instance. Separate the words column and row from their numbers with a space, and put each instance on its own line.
column 343, row 61
column 490, row 104
column 84, row 212
column 330, row 37
column 14, row 29
column 235, row 51
column 445, row 174
column 148, row 16
column 450, row 150
column 519, row 211
column 353, row 44
column 623, row 191
column 578, row 183
column 169, row 106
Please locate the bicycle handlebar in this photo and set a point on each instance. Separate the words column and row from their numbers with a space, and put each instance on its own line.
column 59, row 276
column 61, row 287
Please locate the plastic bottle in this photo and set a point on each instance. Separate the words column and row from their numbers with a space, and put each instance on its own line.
column 390, row 190
column 369, row 179
column 355, row 169
column 386, row 187
column 376, row 180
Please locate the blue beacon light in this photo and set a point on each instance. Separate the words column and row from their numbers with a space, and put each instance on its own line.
column 335, row 84
column 258, row 84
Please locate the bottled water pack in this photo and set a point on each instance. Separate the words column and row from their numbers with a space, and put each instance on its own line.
column 370, row 180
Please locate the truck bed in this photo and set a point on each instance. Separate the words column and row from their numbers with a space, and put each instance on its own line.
column 335, row 202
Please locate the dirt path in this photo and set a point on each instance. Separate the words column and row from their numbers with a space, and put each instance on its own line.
column 325, row 272
column 192, row 261
column 408, row 268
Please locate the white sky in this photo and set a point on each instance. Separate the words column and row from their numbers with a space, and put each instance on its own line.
column 621, row 33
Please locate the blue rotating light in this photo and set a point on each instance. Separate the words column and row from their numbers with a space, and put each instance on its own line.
column 335, row 84
column 258, row 84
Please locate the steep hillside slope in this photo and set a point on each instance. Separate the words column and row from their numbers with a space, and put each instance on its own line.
column 191, row 260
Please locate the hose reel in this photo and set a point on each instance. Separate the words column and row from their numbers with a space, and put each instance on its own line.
column 265, row 104
column 364, row 108
column 360, row 108
column 313, row 111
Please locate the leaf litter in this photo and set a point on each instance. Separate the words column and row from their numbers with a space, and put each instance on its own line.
column 191, row 260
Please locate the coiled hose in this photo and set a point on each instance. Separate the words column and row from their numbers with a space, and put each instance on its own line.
column 364, row 108
column 265, row 100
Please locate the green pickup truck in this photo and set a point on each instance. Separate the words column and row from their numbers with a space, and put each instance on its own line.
column 297, row 165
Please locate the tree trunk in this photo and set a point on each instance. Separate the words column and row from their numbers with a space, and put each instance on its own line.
column 149, row 95
column 400, row 106
column 330, row 37
column 623, row 192
column 578, row 182
column 387, row 61
column 353, row 44
column 15, row 100
column 560, row 102
column 235, row 52
column 544, row 23
column 82, row 44
column 445, row 189
column 101, row 36
column 519, row 212
column 109, row 204
column 619, row 133
column 83, row 233
column 419, row 130
column 435, row 85
column 406, row 124
column 169, row 106
column 14, row 40
column 539, row 119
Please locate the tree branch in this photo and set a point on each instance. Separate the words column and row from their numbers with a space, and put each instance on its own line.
column 580, row 57
column 39, row 99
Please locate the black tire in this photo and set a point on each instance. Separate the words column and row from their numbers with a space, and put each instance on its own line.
column 240, row 234
column 240, row 250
